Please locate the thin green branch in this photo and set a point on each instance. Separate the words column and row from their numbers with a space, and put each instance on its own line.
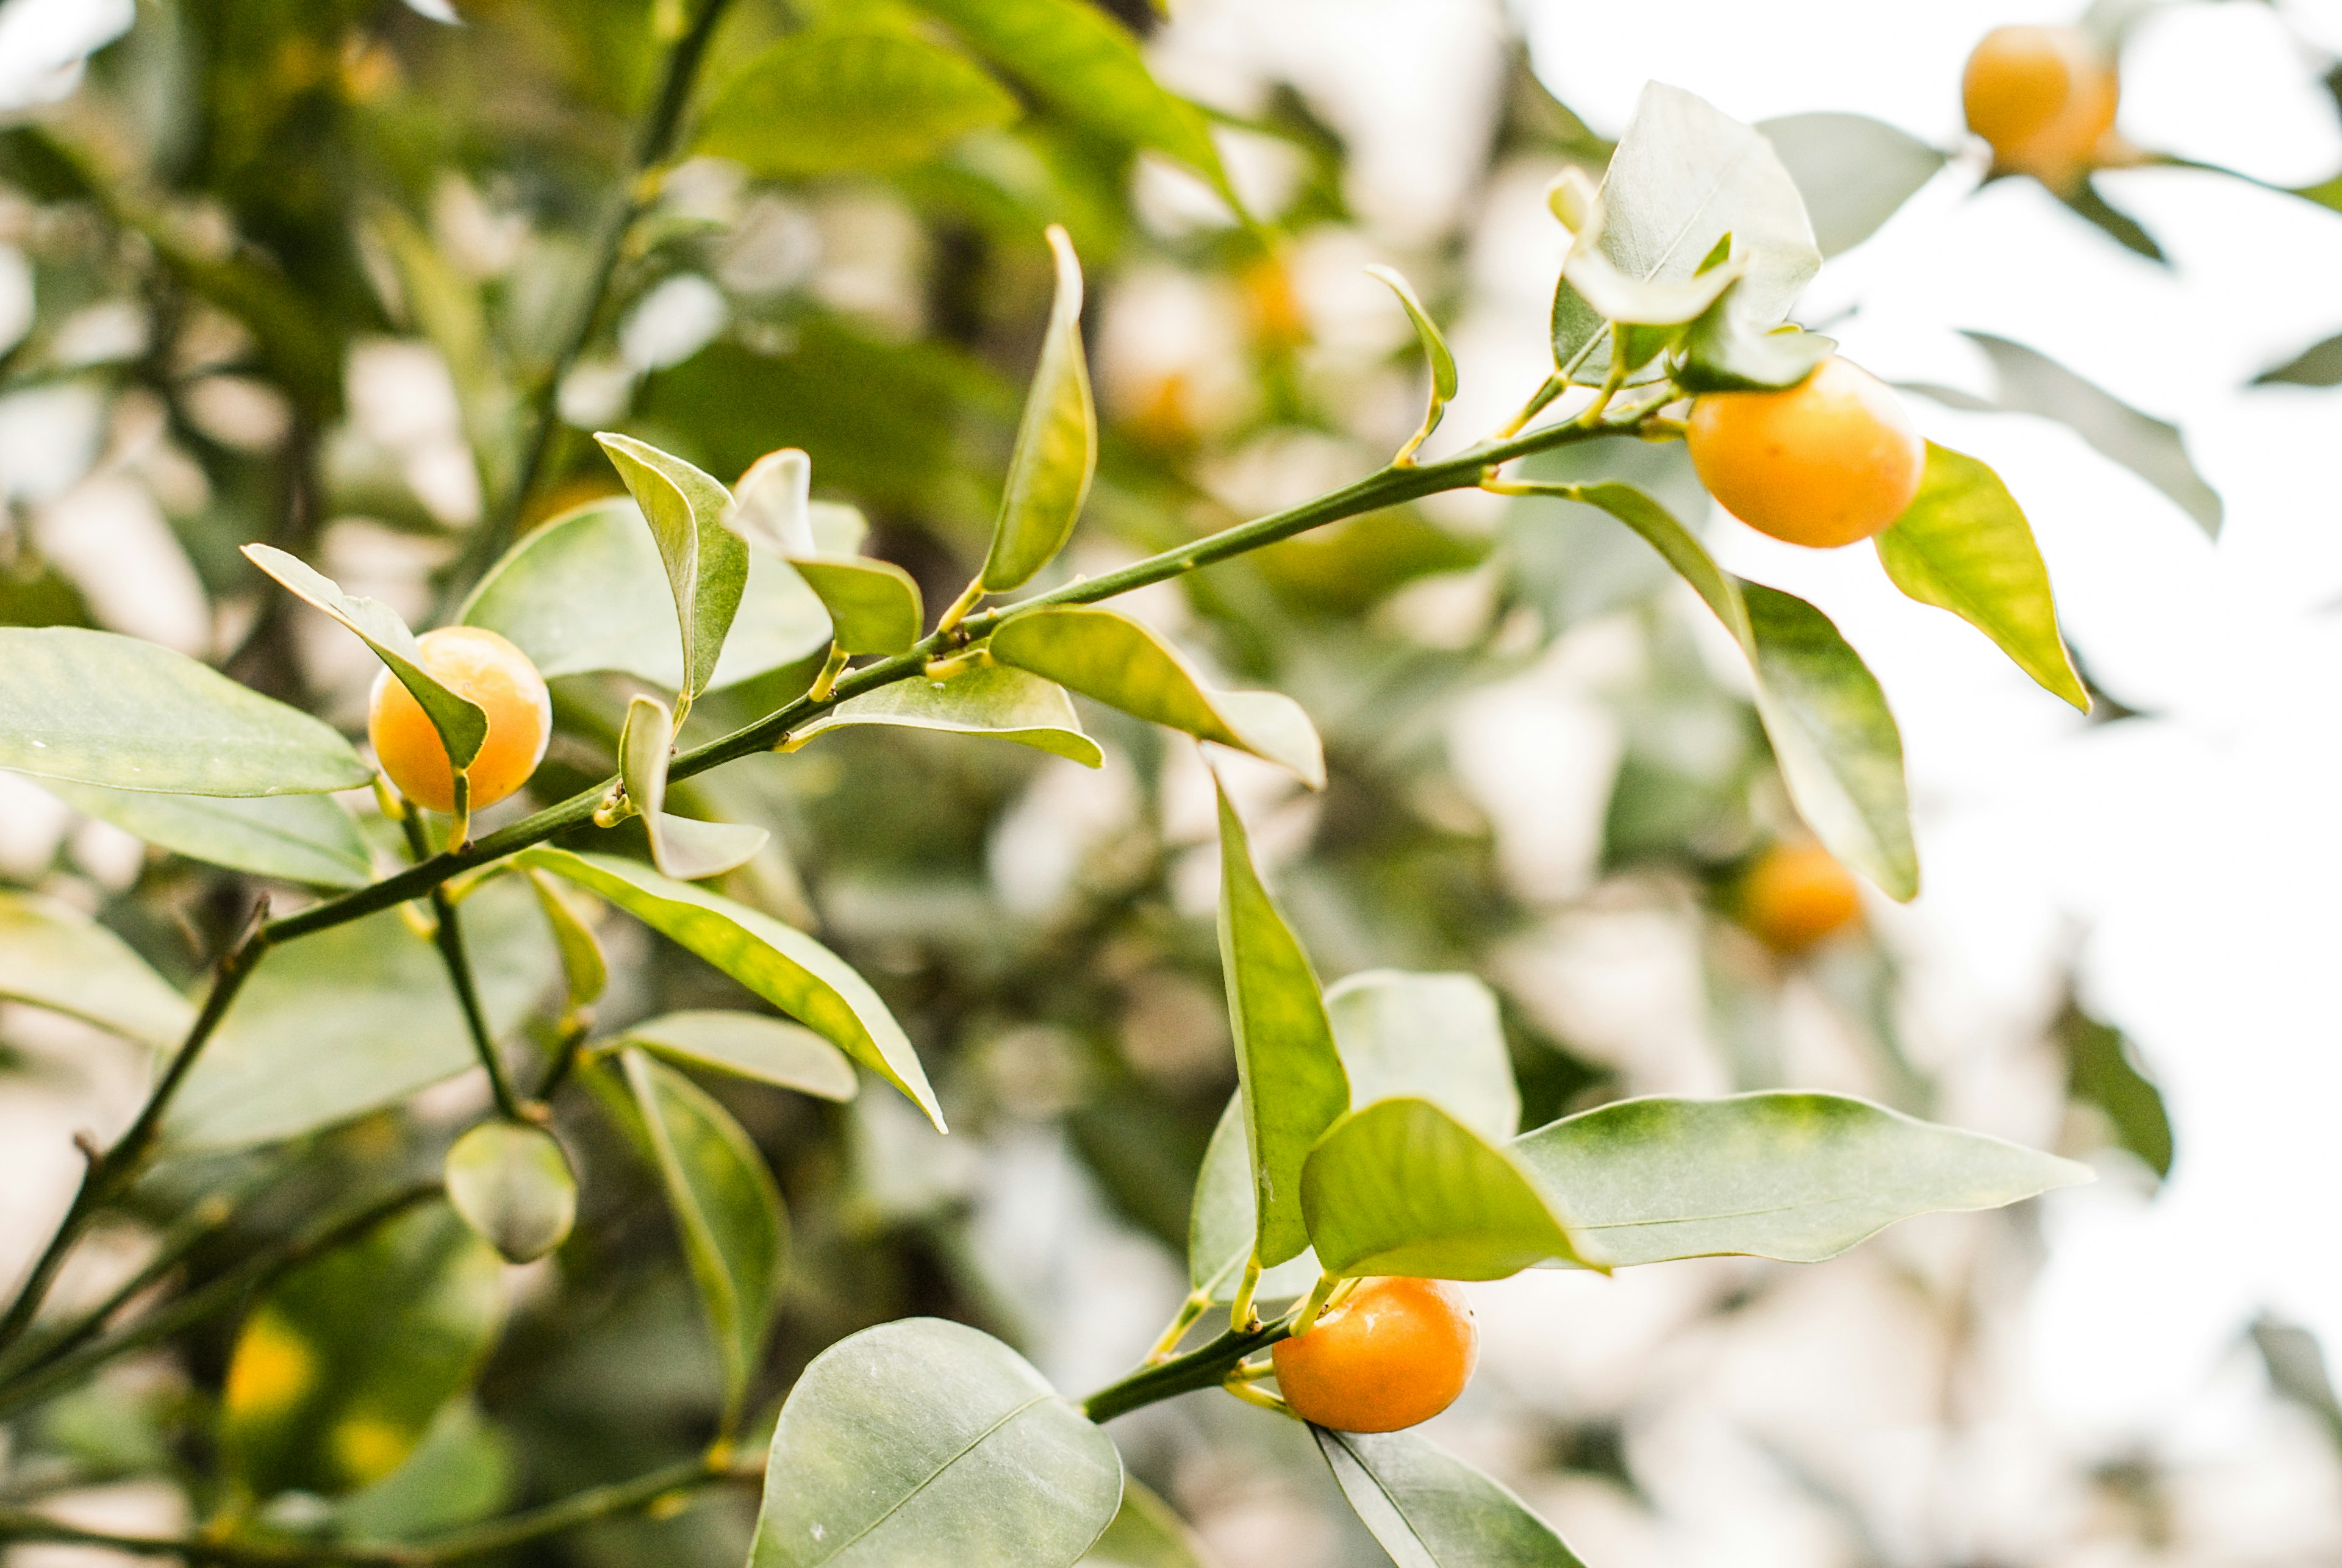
column 1207, row 1366
column 447, row 935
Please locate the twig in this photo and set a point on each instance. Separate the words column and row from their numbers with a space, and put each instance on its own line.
column 447, row 935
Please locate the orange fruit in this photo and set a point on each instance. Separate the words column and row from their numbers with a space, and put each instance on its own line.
column 2045, row 97
column 1396, row 1352
column 1795, row 895
column 485, row 667
column 1827, row 462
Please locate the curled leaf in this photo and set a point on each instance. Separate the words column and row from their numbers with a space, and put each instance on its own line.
column 1056, row 442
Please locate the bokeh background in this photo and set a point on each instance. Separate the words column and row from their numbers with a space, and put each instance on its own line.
column 1545, row 770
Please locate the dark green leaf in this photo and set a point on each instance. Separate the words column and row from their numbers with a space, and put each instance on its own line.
column 292, row 837
column 681, row 847
column 1853, row 171
column 90, row 707
column 849, row 98
column 706, row 562
column 1796, row 1176
column 783, row 965
column 343, row 1365
column 514, row 1186
column 52, row 956
column 1104, row 654
column 2103, row 1069
column 984, row 701
column 925, row 1444
column 1056, row 443
column 1962, row 545
column 1430, row 1510
column 749, row 1045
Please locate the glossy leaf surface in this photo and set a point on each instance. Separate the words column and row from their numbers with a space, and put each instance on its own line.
column 874, row 605
column 749, row 1045
column 1854, row 172
column 707, row 563
column 1778, row 1174
column 922, row 1443
column 52, row 956
column 681, row 847
column 1429, row 1509
column 1964, row 546
column 986, row 701
column 587, row 591
column 357, row 1017
column 1056, row 442
column 291, row 837
column 1404, row 1188
column 462, row 723
column 91, row 707
column 841, row 99
column 1288, row 1073
column 1114, row 659
column 343, row 1364
column 1434, row 1036
column 513, row 1185
column 782, row 964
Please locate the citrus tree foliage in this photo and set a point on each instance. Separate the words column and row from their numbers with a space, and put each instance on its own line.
column 732, row 966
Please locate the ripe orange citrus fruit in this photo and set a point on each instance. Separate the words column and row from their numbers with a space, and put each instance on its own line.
column 481, row 665
column 2045, row 97
column 1394, row 1353
column 1827, row 462
column 1795, row 895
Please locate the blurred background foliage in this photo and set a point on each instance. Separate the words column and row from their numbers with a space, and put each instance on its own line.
column 304, row 273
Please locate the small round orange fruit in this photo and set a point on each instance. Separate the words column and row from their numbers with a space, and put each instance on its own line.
column 481, row 665
column 1394, row 1353
column 1795, row 895
column 2045, row 97
column 1827, row 462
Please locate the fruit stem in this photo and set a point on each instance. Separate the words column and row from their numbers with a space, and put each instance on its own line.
column 1197, row 1304
column 1242, row 1318
column 831, row 668
column 1261, row 1397
column 1320, row 1299
column 961, row 606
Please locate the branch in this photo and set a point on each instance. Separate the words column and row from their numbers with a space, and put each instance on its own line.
column 447, row 935
column 1205, row 1366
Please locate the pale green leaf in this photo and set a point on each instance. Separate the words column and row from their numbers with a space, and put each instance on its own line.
column 462, row 723
column 681, row 847
column 587, row 591
column 1404, row 1188
column 1287, row 1070
column 513, row 1184
column 838, row 98
column 874, row 605
column 1056, row 442
column 2319, row 365
column 986, row 701
column 1780, row 1174
column 1436, row 352
column 293, row 837
column 1430, row 1509
column 749, row 1045
column 1962, row 545
column 783, row 965
column 1145, row 1534
column 1220, row 1225
column 1436, row 1037
column 91, row 707
column 464, row 1471
column 922, row 1443
column 344, row 1363
column 52, row 956
column 772, row 507
column 706, row 562
column 581, row 960
column 1854, row 172
column 1722, row 352
column 1106, row 655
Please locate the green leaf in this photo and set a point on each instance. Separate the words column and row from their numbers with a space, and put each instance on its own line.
column 354, row 1018
column 726, row 1210
column 1854, row 172
column 1432, row 1036
column 984, row 701
column 783, row 965
column 1435, row 347
column 1404, row 1188
column 581, row 962
column 1637, row 299
column 1720, row 352
column 706, row 562
column 772, row 507
column 1430, row 1510
column 681, row 847
column 1962, row 545
column 2103, row 1069
column 585, row 592
column 925, row 1444
column 841, row 99
column 2319, row 365
column 463, row 1471
column 52, row 956
column 513, row 1184
column 1085, row 65
column 1106, row 655
column 1056, row 443
column 341, row 1367
column 874, row 605
column 462, row 723
column 1145, row 1534
column 293, row 837
column 1780, row 1174
column 1683, row 178
column 90, row 707
column 749, row 1045
column 1838, row 749
column 2085, row 202
column 1287, row 1070
column 1220, row 1223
